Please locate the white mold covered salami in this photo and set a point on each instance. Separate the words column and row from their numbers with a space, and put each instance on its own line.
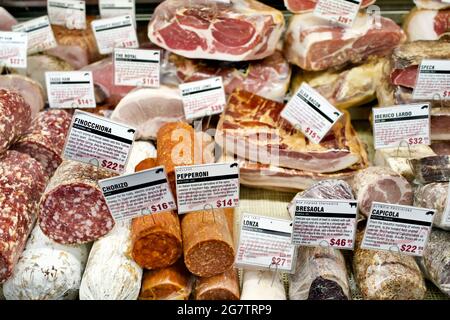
column 73, row 209
column 47, row 270
column 262, row 285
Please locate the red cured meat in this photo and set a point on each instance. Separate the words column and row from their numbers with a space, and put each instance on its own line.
column 233, row 32
column 179, row 38
column 298, row 6
column 6, row 20
column 442, row 22
column 405, row 77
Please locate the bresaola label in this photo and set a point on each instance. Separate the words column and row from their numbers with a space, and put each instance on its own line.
column 136, row 67
column 310, row 113
column 341, row 11
column 70, row 89
column 117, row 32
column 265, row 243
column 329, row 223
column 13, row 49
column 40, row 34
column 398, row 228
column 99, row 141
column 393, row 125
column 433, row 81
column 68, row 13
column 207, row 187
column 141, row 193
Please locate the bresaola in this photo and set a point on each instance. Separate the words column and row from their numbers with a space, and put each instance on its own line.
column 298, row 6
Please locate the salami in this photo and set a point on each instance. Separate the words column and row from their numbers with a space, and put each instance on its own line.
column 434, row 196
column 15, row 117
column 262, row 285
column 44, row 141
column 170, row 283
column 73, row 209
column 224, row 286
column 47, row 270
column 22, row 182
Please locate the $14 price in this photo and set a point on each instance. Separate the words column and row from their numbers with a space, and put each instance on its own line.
column 224, row 203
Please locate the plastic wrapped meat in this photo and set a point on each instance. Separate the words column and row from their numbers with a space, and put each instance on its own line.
column 427, row 24
column 298, row 6
column 262, row 285
column 434, row 196
column 432, row 4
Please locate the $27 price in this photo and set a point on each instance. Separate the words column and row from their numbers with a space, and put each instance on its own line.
column 278, row 261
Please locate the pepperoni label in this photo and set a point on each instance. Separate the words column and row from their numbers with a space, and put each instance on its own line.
column 40, row 34
column 13, row 49
column 68, row 13
column 136, row 67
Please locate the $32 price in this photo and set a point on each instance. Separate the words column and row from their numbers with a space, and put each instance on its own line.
column 415, row 140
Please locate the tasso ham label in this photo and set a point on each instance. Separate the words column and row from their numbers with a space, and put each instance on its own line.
column 116, row 8
column 265, row 244
column 138, row 194
column 40, row 34
column 13, row 49
column 341, row 11
column 68, row 13
column 203, row 98
column 433, row 81
column 207, row 187
column 117, row 32
column 398, row 228
column 393, row 125
column 70, row 89
column 310, row 113
column 328, row 223
column 136, row 67
column 99, row 141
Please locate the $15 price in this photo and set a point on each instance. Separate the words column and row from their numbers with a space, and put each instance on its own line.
column 312, row 133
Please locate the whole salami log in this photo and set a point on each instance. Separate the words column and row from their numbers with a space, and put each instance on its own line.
column 434, row 196
column 15, row 118
column 44, row 141
column 262, row 285
column 170, row 283
column 22, row 182
column 73, row 209
column 47, row 270
column 224, row 286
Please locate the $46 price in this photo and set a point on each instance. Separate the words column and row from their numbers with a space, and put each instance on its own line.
column 339, row 242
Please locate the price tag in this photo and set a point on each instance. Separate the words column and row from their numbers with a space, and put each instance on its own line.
column 311, row 113
column 203, row 98
column 393, row 125
column 117, row 8
column 398, row 228
column 343, row 12
column 323, row 222
column 136, row 67
column 68, row 13
column 99, row 141
column 265, row 243
column 142, row 193
column 70, row 89
column 13, row 49
column 207, row 186
column 433, row 81
column 117, row 32
column 40, row 34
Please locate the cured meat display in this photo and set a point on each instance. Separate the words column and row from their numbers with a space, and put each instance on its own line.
column 72, row 209
column 47, row 270
column 298, row 6
column 431, row 169
column 432, row 4
column 427, row 24
column 236, row 31
column 224, row 286
column 22, row 182
column 262, row 285
column 316, row 44
column 434, row 196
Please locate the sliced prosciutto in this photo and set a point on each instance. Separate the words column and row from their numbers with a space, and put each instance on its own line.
column 427, row 24
column 316, row 44
column 236, row 31
column 252, row 128
column 298, row 6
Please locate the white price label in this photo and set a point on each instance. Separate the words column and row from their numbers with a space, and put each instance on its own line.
column 68, row 13
column 323, row 222
column 393, row 125
column 265, row 243
column 433, row 81
column 40, row 34
column 343, row 12
column 203, row 98
column 117, row 32
column 99, row 141
column 70, row 89
column 13, row 49
column 310, row 113
column 116, row 8
column 209, row 186
column 136, row 67
column 398, row 228
column 138, row 194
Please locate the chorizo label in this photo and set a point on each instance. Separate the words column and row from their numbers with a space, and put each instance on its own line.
column 405, row 123
column 203, row 98
column 138, row 194
column 398, row 228
column 13, row 49
column 343, row 12
column 209, row 186
column 40, row 34
column 136, row 67
column 99, row 141
column 433, row 81
column 68, row 13
column 310, row 113
column 329, row 223
column 265, row 243
column 117, row 32
column 70, row 89
column 116, row 8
